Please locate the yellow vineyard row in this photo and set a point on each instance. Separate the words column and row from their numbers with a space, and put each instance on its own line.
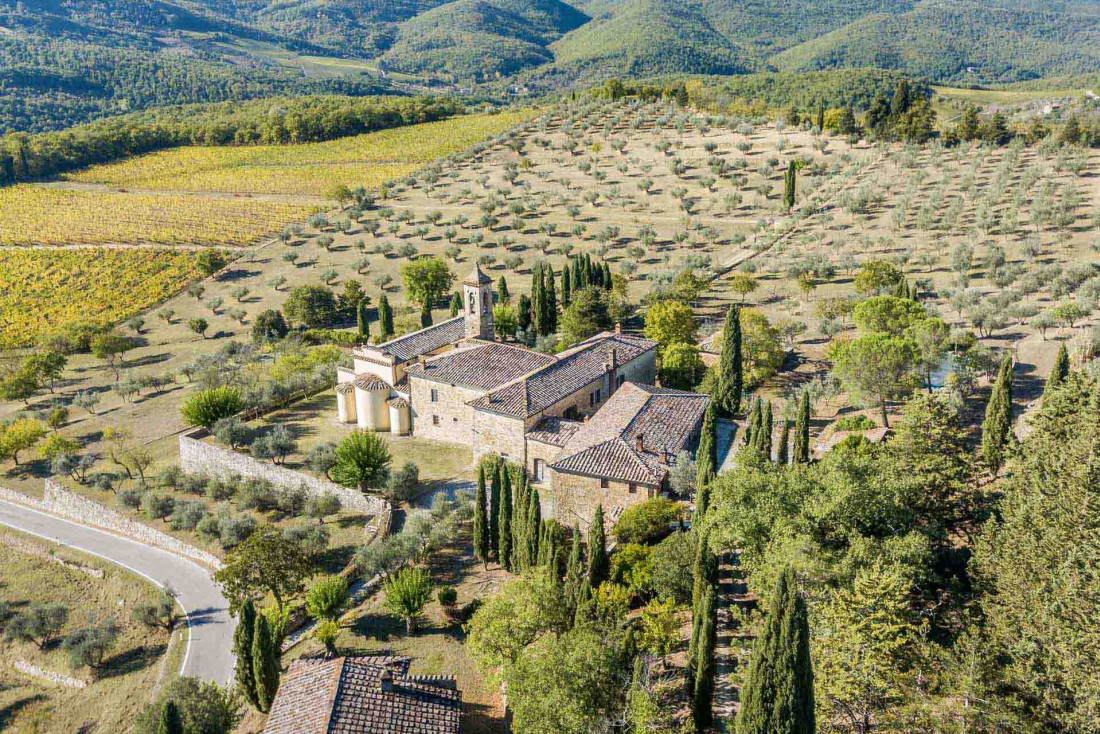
column 311, row 168
column 42, row 290
column 41, row 215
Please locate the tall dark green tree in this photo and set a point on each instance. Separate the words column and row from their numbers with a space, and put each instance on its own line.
column 534, row 525
column 170, row 722
column 764, row 442
column 598, row 565
column 538, row 297
column 819, row 118
column 242, row 649
column 482, row 547
column 731, row 378
column 778, row 695
column 362, row 322
column 790, row 185
column 503, row 296
column 802, row 431
column 385, row 316
column 426, row 314
column 997, row 426
column 1059, row 372
column 702, row 700
column 608, row 283
column 265, row 663
column 456, row 304
column 566, row 286
column 782, row 454
column 523, row 312
column 551, row 303
column 706, row 458
column 494, row 512
column 520, row 499
column 504, row 543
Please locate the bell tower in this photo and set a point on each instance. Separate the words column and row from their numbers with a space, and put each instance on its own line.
column 477, row 293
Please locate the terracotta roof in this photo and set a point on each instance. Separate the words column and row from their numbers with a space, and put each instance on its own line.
column 486, row 365
column 371, row 382
column 554, row 431
column 345, row 387
column 346, row 696
column 398, row 403
column 582, row 365
column 410, row 346
column 477, row 277
column 608, row 444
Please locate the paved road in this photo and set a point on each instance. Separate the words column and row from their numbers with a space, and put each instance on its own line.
column 209, row 653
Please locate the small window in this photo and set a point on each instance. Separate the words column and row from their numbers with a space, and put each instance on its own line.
column 598, row 397
column 539, row 469
column 604, row 484
column 435, row 395
column 633, row 489
column 435, row 420
column 591, row 399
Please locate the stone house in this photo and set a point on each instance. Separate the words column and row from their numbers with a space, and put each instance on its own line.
column 451, row 382
column 366, row 694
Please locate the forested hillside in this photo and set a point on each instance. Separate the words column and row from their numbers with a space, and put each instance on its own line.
column 67, row 63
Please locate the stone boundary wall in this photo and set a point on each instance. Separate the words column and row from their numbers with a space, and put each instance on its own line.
column 34, row 671
column 199, row 457
column 37, row 551
column 59, row 501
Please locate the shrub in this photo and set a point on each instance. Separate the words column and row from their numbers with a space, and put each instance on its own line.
column 89, row 647
column 672, row 558
column 327, row 597
column 406, row 595
column 161, row 613
column 235, row 530
column 204, row 708
column 632, row 565
column 448, row 596
column 291, row 502
column 322, row 506
column 405, row 482
column 40, row 624
column 858, row 422
column 313, row 539
column 231, row 431
column 129, row 498
column 326, row 633
column 256, row 494
column 207, row 407
column 187, row 515
column 647, row 522
column 157, row 506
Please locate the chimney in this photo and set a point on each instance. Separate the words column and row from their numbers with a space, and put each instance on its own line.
column 618, row 327
column 612, row 361
column 385, row 681
column 423, row 362
column 639, row 443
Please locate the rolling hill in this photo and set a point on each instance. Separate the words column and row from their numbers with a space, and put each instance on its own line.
column 68, row 62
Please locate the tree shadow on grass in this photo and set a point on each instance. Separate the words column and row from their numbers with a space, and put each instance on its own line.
column 380, row 626
column 131, row 661
column 9, row 712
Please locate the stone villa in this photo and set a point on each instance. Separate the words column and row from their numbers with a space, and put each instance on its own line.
column 587, row 423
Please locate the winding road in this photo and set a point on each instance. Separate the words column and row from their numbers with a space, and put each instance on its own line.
column 209, row 654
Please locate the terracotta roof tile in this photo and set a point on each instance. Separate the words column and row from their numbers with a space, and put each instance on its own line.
column 485, row 365
column 410, row 346
column 574, row 368
column 607, row 445
column 346, row 696
column 554, row 431
column 370, row 382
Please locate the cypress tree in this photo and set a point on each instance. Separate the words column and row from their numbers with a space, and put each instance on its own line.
column 730, row 375
column 520, row 561
column 820, row 121
column 456, row 304
column 385, row 316
column 699, row 571
column 997, row 426
column 481, row 521
column 782, row 456
column 778, row 694
column 790, row 177
column 425, row 315
column 538, row 296
column 523, row 312
column 702, row 503
column 566, row 287
column 534, row 523
column 706, row 461
column 579, row 273
column 170, row 722
column 607, row 282
column 597, row 550
column 576, row 556
column 1058, row 373
column 551, row 301
column 756, row 418
column 242, row 649
column 504, row 543
column 802, row 431
column 494, row 512
column 361, row 321
column 502, row 291
column 265, row 663
column 766, row 428
column 703, row 699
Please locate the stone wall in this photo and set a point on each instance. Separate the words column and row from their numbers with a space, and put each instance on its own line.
column 499, row 434
column 200, row 457
column 59, row 501
column 456, row 418
column 576, row 497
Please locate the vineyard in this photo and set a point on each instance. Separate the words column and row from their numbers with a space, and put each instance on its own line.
column 43, row 289
column 37, row 215
column 308, row 169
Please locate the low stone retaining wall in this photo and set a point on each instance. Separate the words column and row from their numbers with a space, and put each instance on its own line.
column 60, row 501
column 34, row 671
column 31, row 549
column 200, row 457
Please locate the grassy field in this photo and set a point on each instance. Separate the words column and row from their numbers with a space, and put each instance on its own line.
column 40, row 289
column 143, row 660
column 1003, row 96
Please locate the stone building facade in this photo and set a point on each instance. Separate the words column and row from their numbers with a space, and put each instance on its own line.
column 451, row 382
